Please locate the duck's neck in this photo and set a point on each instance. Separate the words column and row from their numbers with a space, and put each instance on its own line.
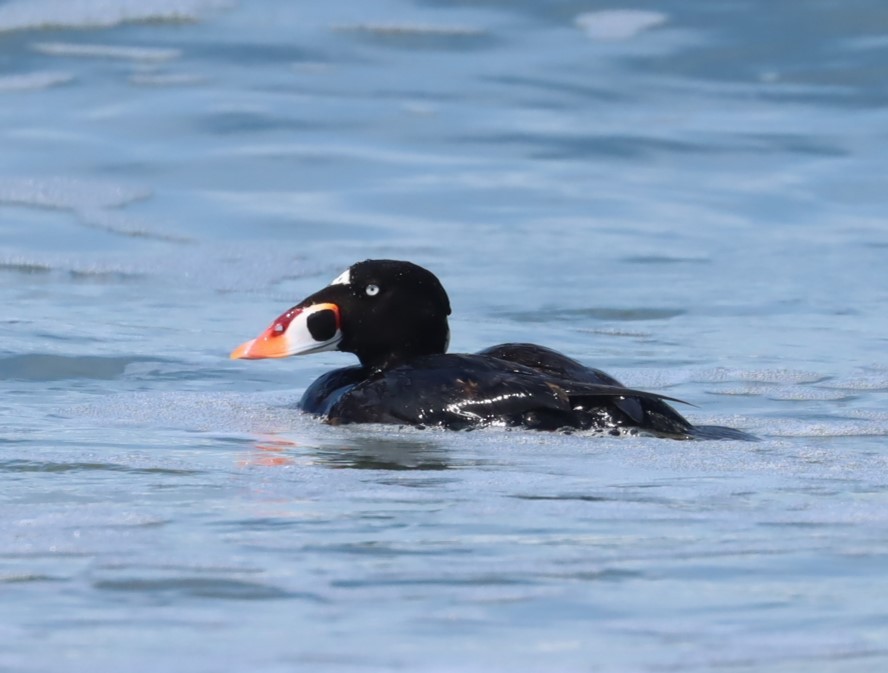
column 391, row 359
column 431, row 337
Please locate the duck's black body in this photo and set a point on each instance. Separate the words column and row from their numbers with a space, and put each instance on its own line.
column 393, row 315
column 498, row 386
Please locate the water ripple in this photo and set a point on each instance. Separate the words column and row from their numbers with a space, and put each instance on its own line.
column 49, row 367
column 18, row 465
column 202, row 587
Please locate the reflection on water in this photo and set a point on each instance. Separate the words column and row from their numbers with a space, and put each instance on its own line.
column 372, row 453
column 360, row 453
column 270, row 452
column 381, row 455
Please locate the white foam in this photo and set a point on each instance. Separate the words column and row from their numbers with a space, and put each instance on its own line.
column 862, row 382
column 611, row 331
column 618, row 24
column 166, row 79
column 241, row 267
column 42, row 14
column 55, row 263
column 68, row 193
column 261, row 413
column 783, row 393
column 723, row 374
column 106, row 51
column 830, row 428
column 807, row 394
column 34, row 80
column 407, row 29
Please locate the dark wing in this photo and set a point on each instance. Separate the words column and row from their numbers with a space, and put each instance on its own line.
column 646, row 410
column 458, row 391
column 550, row 362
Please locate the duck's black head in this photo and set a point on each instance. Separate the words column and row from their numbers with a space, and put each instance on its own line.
column 384, row 311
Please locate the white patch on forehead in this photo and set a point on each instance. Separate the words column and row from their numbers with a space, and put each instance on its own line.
column 343, row 278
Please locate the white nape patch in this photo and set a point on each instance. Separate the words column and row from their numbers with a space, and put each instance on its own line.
column 343, row 278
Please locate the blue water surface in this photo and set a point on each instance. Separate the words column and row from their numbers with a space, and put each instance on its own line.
column 688, row 194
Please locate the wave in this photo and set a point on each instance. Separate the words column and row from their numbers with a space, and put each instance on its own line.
column 53, row 14
column 48, row 367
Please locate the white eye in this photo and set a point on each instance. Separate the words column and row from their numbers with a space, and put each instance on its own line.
column 372, row 290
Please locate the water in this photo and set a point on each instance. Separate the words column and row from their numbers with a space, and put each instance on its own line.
column 689, row 195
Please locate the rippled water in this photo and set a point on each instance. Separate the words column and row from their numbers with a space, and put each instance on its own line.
column 689, row 195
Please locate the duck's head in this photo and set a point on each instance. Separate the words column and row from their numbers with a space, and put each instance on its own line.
column 384, row 311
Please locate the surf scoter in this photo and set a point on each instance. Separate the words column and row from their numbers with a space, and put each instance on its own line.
column 393, row 316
